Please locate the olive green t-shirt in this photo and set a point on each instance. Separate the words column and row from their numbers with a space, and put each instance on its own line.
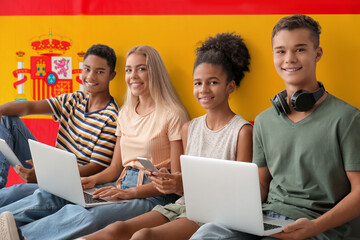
column 308, row 160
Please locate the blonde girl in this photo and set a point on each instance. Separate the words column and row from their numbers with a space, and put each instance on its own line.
column 148, row 125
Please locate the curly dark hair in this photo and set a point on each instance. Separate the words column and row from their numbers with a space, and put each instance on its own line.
column 227, row 50
column 105, row 52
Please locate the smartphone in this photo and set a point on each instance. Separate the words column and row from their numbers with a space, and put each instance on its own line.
column 147, row 164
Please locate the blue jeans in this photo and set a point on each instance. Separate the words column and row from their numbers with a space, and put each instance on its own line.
column 216, row 231
column 45, row 216
column 16, row 192
column 16, row 134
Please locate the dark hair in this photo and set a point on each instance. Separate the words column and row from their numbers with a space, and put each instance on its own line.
column 298, row 21
column 227, row 50
column 104, row 52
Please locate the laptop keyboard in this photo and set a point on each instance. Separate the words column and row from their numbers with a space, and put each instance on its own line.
column 268, row 226
column 89, row 199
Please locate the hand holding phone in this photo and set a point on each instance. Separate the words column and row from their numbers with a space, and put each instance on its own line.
column 147, row 164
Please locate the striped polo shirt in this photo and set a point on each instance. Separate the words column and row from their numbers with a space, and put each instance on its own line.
column 90, row 136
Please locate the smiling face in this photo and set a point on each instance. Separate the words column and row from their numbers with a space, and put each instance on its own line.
column 211, row 87
column 295, row 56
column 136, row 74
column 96, row 75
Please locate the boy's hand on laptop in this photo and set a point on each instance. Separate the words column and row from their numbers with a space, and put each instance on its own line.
column 302, row 228
column 27, row 174
column 166, row 182
column 88, row 182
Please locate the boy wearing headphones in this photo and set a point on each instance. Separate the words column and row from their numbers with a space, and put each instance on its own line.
column 306, row 146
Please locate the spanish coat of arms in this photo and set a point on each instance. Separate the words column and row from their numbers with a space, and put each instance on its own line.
column 51, row 71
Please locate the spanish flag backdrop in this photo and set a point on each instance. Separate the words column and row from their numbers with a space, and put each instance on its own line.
column 43, row 41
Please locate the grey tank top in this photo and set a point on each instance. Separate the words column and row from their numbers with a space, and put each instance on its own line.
column 222, row 144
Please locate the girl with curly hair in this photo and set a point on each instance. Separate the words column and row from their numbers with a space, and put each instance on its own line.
column 219, row 67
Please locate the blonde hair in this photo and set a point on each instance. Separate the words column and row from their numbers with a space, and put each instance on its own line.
column 161, row 89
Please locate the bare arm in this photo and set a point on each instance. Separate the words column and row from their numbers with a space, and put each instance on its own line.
column 264, row 178
column 244, row 144
column 109, row 174
column 23, row 108
column 347, row 209
column 176, row 151
column 184, row 134
column 171, row 183
column 90, row 169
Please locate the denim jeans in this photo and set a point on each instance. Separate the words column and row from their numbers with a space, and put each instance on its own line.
column 45, row 216
column 16, row 134
column 16, row 192
column 216, row 231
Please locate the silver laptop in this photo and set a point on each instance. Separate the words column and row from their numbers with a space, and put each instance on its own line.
column 226, row 192
column 9, row 154
column 57, row 172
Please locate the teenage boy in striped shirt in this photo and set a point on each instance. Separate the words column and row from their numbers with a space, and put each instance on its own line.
column 87, row 124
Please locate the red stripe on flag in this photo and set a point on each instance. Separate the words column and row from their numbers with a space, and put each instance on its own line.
column 45, row 131
column 172, row 7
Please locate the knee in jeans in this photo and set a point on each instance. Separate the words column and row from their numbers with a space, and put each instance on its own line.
column 208, row 231
column 208, row 227
column 7, row 119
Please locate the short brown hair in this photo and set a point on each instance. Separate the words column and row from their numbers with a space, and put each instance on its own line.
column 298, row 21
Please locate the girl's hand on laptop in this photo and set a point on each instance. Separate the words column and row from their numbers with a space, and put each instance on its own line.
column 26, row 174
column 113, row 192
column 88, row 182
column 166, row 182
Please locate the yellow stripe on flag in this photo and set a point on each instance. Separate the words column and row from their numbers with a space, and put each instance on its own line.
column 176, row 37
